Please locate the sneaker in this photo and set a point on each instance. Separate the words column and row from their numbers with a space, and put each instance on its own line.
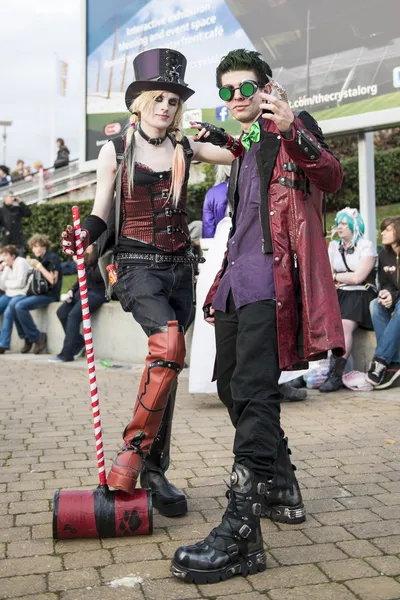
column 59, row 359
column 376, row 373
column 391, row 374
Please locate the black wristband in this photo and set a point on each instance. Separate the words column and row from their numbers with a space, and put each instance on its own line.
column 94, row 226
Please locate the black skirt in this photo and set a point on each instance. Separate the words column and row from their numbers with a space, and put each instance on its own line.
column 354, row 306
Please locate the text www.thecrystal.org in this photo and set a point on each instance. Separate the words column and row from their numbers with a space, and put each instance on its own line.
column 361, row 90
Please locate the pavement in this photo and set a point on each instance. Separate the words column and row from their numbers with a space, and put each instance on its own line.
column 346, row 446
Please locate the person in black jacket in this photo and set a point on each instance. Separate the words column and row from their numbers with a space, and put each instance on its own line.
column 11, row 214
column 70, row 311
column 62, row 159
column 385, row 310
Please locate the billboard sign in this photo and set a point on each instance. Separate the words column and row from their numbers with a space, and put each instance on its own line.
column 117, row 31
column 338, row 60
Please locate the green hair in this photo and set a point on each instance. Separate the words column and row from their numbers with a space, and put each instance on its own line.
column 354, row 220
column 244, row 60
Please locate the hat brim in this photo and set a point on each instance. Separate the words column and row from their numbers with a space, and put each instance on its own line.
column 137, row 87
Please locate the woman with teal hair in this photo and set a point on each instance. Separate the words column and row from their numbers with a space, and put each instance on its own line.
column 352, row 259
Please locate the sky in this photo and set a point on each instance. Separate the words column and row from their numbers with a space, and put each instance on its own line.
column 33, row 33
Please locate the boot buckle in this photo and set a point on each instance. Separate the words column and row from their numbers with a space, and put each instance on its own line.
column 233, row 550
column 261, row 489
column 245, row 531
column 235, row 570
column 256, row 509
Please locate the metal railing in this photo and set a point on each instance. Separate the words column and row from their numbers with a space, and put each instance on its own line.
column 50, row 183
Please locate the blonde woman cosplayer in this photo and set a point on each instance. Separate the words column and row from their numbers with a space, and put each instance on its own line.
column 154, row 278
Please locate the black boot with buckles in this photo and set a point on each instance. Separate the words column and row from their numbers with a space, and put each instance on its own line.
column 282, row 500
column 235, row 547
column 167, row 499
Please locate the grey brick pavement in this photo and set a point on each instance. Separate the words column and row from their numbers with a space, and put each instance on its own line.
column 346, row 447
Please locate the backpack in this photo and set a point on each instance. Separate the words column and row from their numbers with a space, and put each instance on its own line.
column 109, row 239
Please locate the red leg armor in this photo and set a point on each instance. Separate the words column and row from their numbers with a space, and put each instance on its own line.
column 164, row 361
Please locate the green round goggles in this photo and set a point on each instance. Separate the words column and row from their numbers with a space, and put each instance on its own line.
column 246, row 89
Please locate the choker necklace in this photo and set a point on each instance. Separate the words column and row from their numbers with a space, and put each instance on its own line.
column 153, row 141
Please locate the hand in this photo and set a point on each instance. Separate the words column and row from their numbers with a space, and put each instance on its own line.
column 32, row 261
column 209, row 315
column 210, row 133
column 70, row 294
column 385, row 298
column 68, row 240
column 282, row 115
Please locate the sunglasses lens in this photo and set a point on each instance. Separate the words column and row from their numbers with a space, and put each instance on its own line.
column 247, row 89
column 225, row 93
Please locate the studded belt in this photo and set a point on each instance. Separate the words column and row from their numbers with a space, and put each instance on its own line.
column 160, row 258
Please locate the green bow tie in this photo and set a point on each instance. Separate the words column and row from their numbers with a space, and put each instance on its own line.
column 253, row 136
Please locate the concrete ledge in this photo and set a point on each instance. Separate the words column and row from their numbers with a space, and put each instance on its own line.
column 116, row 335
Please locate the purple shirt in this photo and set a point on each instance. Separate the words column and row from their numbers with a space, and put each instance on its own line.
column 249, row 273
column 214, row 208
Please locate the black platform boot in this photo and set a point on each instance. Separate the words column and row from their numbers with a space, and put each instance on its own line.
column 334, row 379
column 282, row 500
column 235, row 547
column 167, row 499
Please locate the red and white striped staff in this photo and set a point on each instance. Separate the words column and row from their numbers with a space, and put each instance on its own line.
column 87, row 334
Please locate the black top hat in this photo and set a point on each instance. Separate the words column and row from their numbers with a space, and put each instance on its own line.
column 159, row 69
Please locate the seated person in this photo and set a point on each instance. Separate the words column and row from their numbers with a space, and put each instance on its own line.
column 49, row 266
column 70, row 311
column 14, row 272
column 352, row 260
column 385, row 310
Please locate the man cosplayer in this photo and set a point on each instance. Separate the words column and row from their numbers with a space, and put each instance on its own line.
column 274, row 305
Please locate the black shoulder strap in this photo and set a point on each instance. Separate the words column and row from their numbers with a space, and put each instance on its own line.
column 188, row 155
column 119, row 151
column 342, row 253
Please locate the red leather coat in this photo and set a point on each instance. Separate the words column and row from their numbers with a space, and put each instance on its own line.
column 310, row 324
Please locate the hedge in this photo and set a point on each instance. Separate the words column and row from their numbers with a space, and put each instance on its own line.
column 387, row 180
column 51, row 218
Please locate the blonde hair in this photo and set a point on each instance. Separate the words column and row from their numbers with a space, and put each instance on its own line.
column 178, row 157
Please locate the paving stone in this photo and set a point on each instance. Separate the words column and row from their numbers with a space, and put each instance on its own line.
column 94, row 558
column 377, row 588
column 353, row 568
column 11, row 587
column 73, row 578
column 370, row 530
column 137, row 553
column 346, row 517
column 307, row 554
column 147, row 570
column 389, row 544
column 171, row 589
column 235, row 585
column 105, row 593
column 329, row 533
column 386, row 565
column 327, row 591
column 27, row 566
column 18, row 549
column 13, row 534
column 359, row 548
column 284, row 577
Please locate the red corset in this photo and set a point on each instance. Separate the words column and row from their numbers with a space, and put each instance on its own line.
column 148, row 214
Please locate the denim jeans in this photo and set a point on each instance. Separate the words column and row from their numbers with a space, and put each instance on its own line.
column 156, row 294
column 247, row 381
column 7, row 303
column 386, row 323
column 24, row 322
column 70, row 315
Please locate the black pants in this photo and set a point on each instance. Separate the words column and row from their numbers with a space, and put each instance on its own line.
column 156, row 294
column 247, row 380
column 70, row 315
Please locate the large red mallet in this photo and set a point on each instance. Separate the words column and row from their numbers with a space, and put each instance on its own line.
column 99, row 513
